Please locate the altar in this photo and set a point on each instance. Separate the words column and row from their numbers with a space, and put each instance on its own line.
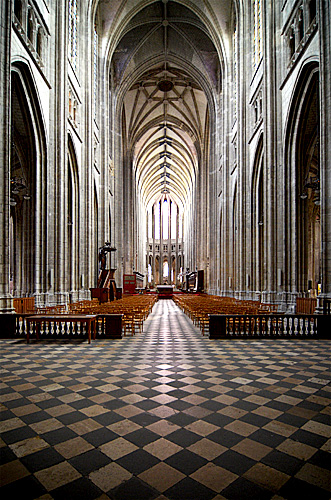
column 165, row 291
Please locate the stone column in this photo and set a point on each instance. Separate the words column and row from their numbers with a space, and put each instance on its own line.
column 270, row 151
column 60, row 151
column 324, row 23
column 6, row 303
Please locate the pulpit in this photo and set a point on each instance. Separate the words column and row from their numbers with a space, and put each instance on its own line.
column 105, row 290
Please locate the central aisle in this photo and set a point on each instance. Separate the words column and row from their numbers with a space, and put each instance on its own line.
column 168, row 334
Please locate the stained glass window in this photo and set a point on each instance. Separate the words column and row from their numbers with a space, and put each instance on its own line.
column 73, row 33
column 257, row 32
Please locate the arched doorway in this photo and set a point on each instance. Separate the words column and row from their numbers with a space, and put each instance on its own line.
column 24, row 149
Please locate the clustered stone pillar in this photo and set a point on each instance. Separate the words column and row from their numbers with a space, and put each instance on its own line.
column 6, row 302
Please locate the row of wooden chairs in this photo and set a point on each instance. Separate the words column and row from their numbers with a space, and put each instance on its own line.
column 135, row 310
column 199, row 307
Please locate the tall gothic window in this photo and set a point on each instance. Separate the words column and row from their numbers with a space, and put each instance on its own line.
column 257, row 9
column 73, row 33
column 95, row 69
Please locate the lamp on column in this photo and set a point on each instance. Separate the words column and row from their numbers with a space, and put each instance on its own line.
column 312, row 183
column 18, row 188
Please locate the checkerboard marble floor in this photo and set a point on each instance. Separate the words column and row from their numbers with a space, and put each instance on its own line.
column 168, row 414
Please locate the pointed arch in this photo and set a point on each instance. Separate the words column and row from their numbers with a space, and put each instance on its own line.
column 28, row 181
column 73, row 217
column 258, row 222
column 303, row 185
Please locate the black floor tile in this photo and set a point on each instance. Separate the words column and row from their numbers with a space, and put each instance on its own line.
column 138, row 461
column 218, row 419
column 225, row 438
column 245, row 405
column 207, row 393
column 147, row 404
column 294, row 420
column 28, row 488
column 42, row 459
column 114, row 404
column 82, row 404
column 242, row 489
column 142, row 437
column 234, row 462
column 186, row 462
column 108, row 418
column 181, row 419
column 188, row 489
column 100, row 436
column 7, row 414
column 308, row 438
column 33, row 418
column 89, row 461
column 268, row 438
column 16, row 403
column 59, row 435
column 277, row 405
column 144, row 419
column 309, row 405
column 119, row 393
column 177, row 384
column 179, row 405
column 71, row 418
column 295, row 489
column 321, row 459
column 16, row 435
column 81, row 489
column 178, row 393
column 323, row 418
column 61, row 392
column 134, row 489
column 282, row 462
column 212, row 405
column 89, row 393
column 183, row 437
column 149, row 393
column 254, row 419
column 50, row 403
column 6, row 455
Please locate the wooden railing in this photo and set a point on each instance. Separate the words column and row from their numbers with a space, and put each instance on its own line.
column 107, row 326
column 260, row 326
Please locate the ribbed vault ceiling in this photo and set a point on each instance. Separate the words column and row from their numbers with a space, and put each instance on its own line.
column 165, row 109
column 165, row 119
